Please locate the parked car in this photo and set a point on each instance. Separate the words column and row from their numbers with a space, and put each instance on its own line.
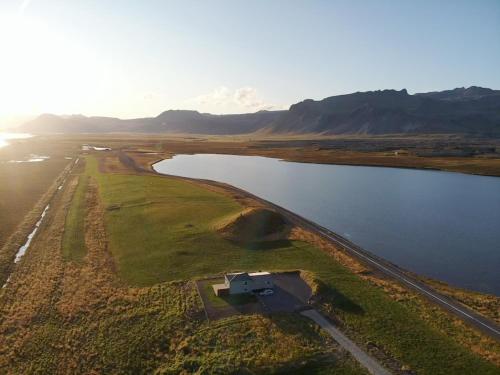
column 266, row 292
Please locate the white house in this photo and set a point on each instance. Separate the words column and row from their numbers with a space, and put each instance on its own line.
column 243, row 282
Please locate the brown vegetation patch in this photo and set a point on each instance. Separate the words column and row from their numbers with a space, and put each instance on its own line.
column 486, row 304
column 109, row 163
column 85, row 287
column 254, row 225
column 54, row 314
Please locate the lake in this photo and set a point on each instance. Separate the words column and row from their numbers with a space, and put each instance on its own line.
column 4, row 137
column 438, row 224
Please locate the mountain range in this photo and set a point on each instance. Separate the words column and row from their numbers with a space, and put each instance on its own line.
column 473, row 110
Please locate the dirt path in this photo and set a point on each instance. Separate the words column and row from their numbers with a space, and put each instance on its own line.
column 364, row 359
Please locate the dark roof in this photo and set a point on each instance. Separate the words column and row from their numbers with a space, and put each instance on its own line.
column 240, row 276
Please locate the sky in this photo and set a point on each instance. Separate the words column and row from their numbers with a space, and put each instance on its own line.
column 138, row 58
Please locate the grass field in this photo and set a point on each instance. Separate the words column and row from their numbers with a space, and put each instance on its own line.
column 60, row 317
column 73, row 246
column 162, row 229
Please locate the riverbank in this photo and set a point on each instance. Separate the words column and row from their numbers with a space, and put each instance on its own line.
column 452, row 154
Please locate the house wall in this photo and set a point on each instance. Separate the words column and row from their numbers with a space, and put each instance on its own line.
column 240, row 287
column 262, row 282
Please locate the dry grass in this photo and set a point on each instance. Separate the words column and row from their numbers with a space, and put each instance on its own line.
column 10, row 245
column 435, row 316
column 485, row 304
column 372, row 151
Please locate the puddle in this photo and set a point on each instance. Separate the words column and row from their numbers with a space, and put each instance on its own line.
column 22, row 249
column 6, row 282
column 5, row 137
column 95, row 148
column 33, row 158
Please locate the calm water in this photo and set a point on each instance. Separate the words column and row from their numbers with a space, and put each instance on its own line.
column 4, row 137
column 439, row 224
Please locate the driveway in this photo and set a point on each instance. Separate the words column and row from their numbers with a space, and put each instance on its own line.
column 364, row 359
column 291, row 293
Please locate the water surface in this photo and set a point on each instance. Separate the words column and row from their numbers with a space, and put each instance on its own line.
column 439, row 224
column 4, row 137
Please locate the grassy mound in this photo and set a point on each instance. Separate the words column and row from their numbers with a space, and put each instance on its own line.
column 255, row 224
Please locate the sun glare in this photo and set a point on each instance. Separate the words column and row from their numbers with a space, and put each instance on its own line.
column 41, row 69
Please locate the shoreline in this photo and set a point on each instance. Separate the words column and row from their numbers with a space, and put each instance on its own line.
column 299, row 161
column 394, row 272
column 413, row 153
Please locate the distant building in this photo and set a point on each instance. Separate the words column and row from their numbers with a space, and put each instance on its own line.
column 243, row 282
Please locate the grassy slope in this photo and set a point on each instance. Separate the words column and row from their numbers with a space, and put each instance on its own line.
column 163, row 232
column 73, row 245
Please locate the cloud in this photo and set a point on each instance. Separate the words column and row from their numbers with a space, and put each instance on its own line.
column 243, row 98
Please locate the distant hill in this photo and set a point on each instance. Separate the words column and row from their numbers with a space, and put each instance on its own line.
column 461, row 93
column 390, row 111
column 473, row 110
column 172, row 121
column 205, row 123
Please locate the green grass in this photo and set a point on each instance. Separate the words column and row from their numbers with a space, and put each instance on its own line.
column 229, row 300
column 73, row 245
column 164, row 231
